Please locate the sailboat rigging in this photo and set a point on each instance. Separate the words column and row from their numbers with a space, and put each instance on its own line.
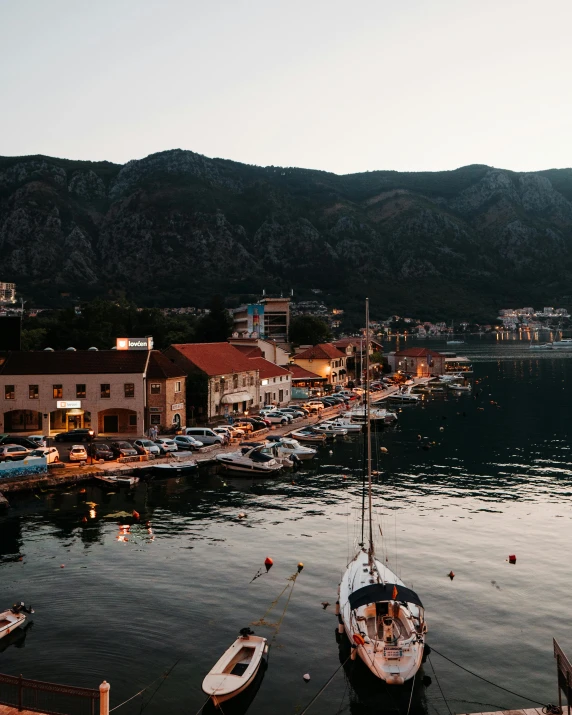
column 383, row 619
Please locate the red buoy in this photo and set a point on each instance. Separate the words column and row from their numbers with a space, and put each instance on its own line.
column 512, row 559
column 451, row 575
column 268, row 561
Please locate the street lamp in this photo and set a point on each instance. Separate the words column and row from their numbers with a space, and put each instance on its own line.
column 91, row 433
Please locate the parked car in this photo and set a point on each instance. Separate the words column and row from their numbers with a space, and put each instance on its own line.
column 50, row 453
column 278, row 418
column 99, row 450
column 74, row 435
column 224, row 433
column 244, row 425
column 185, row 441
column 203, row 434
column 146, row 446
column 294, row 411
column 11, row 452
column 38, row 439
column 313, row 406
column 257, row 423
column 78, row 453
column 123, row 449
column 21, row 441
column 301, row 409
column 166, row 445
column 235, row 432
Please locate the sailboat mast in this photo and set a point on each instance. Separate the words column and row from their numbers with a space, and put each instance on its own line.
column 368, row 427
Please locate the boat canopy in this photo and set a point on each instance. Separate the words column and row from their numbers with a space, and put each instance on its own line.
column 382, row 592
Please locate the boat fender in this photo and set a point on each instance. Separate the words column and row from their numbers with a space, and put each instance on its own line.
column 340, row 628
column 383, row 449
column 354, row 654
column 358, row 639
column 337, row 608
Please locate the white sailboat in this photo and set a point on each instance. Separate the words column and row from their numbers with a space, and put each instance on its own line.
column 383, row 619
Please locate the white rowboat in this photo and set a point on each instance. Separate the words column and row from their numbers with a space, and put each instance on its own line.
column 236, row 669
column 13, row 618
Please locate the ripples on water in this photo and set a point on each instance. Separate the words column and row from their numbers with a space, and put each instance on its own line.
column 496, row 480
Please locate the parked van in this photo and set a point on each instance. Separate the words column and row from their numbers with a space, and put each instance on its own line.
column 204, row 435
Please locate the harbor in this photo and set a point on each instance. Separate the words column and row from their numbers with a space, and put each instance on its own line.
column 462, row 506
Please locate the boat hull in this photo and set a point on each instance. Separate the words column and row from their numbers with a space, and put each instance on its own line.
column 9, row 622
column 221, row 683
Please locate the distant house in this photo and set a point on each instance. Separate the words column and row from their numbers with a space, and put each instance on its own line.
column 324, row 360
column 275, row 382
column 220, row 379
column 420, row 362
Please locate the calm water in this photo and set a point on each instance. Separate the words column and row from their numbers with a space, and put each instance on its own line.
column 497, row 481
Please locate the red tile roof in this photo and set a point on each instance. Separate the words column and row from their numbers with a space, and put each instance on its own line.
column 161, row 368
column 417, row 352
column 75, row 362
column 299, row 373
column 322, row 351
column 210, row 358
column 249, row 350
column 344, row 342
column 267, row 368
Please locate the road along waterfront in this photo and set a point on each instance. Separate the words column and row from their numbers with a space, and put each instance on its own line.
column 497, row 481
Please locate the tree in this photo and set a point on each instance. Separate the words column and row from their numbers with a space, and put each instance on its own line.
column 215, row 326
column 309, row 330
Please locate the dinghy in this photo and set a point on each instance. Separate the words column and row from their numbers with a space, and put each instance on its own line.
column 237, row 667
column 13, row 618
column 115, row 480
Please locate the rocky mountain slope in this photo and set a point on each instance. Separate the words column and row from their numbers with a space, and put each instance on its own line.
column 177, row 226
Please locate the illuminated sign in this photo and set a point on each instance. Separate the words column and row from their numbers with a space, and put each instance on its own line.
column 134, row 344
column 68, row 405
column 178, row 406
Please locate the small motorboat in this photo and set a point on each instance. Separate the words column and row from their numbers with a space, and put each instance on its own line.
column 250, row 460
column 406, row 396
column 117, row 480
column 459, row 388
column 237, row 667
column 13, row 618
column 330, row 430
column 170, row 469
column 292, row 448
column 344, row 422
column 455, row 342
column 378, row 414
column 307, row 435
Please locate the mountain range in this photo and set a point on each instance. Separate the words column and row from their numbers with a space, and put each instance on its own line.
column 175, row 227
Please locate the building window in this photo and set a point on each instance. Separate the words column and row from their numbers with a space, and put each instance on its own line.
column 286, row 393
column 9, row 392
column 33, row 392
column 235, row 381
column 217, row 386
column 155, row 419
column 80, row 391
column 58, row 392
column 155, row 388
column 133, row 420
column 251, row 380
column 280, row 395
column 178, row 386
column 280, row 378
column 129, row 388
column 105, row 390
column 244, row 381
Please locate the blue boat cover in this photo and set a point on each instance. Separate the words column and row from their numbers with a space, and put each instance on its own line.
column 383, row 592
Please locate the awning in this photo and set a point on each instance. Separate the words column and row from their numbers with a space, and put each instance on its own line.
column 382, row 592
column 236, row 397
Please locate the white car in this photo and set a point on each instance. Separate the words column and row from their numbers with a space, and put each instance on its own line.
column 50, row 453
column 186, row 442
column 313, row 406
column 166, row 445
column 78, row 453
column 146, row 446
column 225, row 433
column 234, row 431
column 277, row 418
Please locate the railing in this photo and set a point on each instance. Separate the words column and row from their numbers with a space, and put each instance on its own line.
column 49, row 698
column 564, row 675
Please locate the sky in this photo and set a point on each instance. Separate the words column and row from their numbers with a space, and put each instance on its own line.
column 348, row 86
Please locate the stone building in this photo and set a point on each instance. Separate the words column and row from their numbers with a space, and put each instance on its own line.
column 419, row 362
column 324, row 360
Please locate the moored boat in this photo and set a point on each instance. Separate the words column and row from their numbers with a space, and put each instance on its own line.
column 292, row 448
column 115, row 480
column 330, row 430
column 236, row 668
column 307, row 435
column 344, row 422
column 249, row 460
column 13, row 618
column 175, row 468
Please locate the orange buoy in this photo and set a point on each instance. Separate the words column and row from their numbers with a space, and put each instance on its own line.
column 300, row 566
column 451, row 575
column 512, row 559
column 135, row 514
column 268, row 563
column 358, row 640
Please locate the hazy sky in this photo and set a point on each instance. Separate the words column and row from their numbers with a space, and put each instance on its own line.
column 342, row 86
